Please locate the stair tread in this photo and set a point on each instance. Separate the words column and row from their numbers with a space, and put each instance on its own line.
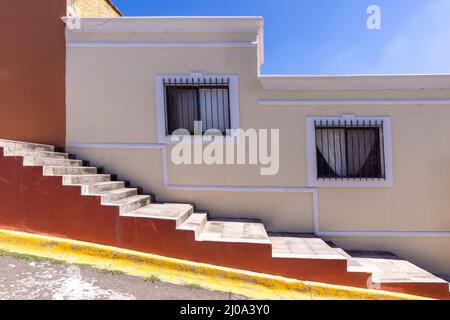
column 36, row 153
column 234, row 231
column 67, row 170
column 89, row 175
column 71, row 167
column 36, row 161
column 171, row 211
column 388, row 268
column 193, row 222
column 67, row 177
column 18, row 144
column 302, row 246
column 103, row 186
column 128, row 200
column 105, row 183
column 53, row 159
column 112, row 192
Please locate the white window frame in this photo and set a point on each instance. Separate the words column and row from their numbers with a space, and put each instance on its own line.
column 160, row 103
column 313, row 181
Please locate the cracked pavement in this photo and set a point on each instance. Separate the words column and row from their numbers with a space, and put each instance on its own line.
column 44, row 280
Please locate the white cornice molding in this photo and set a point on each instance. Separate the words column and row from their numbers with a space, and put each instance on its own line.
column 138, row 25
column 355, row 82
column 168, row 24
column 160, row 44
column 355, row 102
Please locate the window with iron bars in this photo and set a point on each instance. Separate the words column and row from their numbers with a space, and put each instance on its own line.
column 190, row 100
column 349, row 149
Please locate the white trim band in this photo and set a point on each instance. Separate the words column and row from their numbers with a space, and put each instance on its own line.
column 384, row 234
column 164, row 24
column 355, row 102
column 161, row 44
column 356, row 82
column 117, row 145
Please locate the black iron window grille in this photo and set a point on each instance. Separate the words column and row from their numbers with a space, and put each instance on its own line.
column 190, row 100
column 350, row 149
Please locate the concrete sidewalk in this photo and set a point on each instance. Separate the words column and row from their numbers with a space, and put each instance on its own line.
column 31, row 278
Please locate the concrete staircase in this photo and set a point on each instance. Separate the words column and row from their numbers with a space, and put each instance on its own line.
column 177, row 230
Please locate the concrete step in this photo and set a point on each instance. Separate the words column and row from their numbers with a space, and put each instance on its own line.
column 117, row 194
column 102, row 187
column 227, row 230
column 195, row 222
column 387, row 268
column 10, row 144
column 30, row 161
column 85, row 179
column 171, row 211
column 64, row 170
column 35, row 154
column 131, row 203
column 301, row 246
column 352, row 264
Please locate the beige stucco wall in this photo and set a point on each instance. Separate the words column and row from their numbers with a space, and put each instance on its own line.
column 111, row 99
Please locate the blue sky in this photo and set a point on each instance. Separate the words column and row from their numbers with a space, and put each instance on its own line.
column 331, row 36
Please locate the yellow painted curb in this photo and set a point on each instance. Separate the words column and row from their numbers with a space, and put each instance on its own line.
column 247, row 283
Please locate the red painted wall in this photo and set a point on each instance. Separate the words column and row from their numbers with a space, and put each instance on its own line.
column 32, row 71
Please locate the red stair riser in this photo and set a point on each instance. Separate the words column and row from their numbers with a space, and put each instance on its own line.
column 437, row 290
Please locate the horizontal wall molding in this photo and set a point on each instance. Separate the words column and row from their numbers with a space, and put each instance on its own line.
column 384, row 234
column 165, row 24
column 87, row 32
column 117, row 145
column 356, row 102
column 356, row 82
column 312, row 190
column 242, row 188
column 161, row 44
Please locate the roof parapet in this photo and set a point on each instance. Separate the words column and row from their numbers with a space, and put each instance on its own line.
column 176, row 24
